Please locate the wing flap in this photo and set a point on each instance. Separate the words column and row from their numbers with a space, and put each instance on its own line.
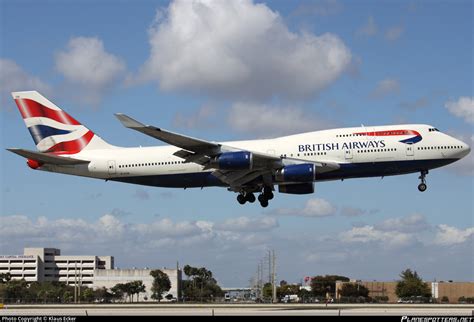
column 47, row 157
column 238, row 178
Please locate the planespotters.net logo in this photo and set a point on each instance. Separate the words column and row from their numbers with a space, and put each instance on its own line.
column 437, row 319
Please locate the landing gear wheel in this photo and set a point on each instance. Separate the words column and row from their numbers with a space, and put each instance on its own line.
column 268, row 195
column 241, row 199
column 263, row 201
column 250, row 197
column 267, row 192
column 422, row 186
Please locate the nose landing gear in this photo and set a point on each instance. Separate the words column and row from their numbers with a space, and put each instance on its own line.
column 422, row 186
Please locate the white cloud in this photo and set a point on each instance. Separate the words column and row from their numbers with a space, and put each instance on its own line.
column 369, row 234
column 267, row 121
column 86, row 63
column 231, row 248
column 463, row 108
column 63, row 229
column 448, row 235
column 315, row 207
column 14, row 78
column 239, row 49
column 110, row 225
column 409, row 224
column 109, row 230
column 393, row 33
column 204, row 117
column 369, row 29
column 248, row 224
column 386, row 87
column 167, row 228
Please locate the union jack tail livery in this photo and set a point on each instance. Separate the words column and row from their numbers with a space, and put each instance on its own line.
column 52, row 129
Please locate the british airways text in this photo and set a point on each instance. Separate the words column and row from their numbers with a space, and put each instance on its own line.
column 345, row 146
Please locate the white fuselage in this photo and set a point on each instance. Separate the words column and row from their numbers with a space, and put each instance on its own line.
column 361, row 152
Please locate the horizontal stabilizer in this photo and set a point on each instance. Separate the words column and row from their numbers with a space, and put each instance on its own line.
column 47, row 157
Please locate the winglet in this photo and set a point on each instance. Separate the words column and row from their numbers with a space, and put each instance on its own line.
column 129, row 122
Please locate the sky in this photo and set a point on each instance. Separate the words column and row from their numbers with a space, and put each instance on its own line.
column 229, row 70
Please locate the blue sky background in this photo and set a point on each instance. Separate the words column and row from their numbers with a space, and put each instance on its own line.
column 409, row 60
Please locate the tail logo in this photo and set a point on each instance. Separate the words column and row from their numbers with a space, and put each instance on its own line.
column 52, row 129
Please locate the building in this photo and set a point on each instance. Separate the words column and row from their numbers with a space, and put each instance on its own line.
column 452, row 290
column 108, row 278
column 48, row 265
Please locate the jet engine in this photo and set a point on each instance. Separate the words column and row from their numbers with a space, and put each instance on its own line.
column 296, row 173
column 240, row 160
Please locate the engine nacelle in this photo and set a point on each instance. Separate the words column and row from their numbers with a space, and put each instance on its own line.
column 297, row 189
column 296, row 173
column 240, row 160
column 33, row 164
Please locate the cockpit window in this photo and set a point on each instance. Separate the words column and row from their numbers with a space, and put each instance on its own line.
column 433, row 129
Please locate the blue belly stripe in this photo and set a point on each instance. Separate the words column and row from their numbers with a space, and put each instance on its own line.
column 347, row 170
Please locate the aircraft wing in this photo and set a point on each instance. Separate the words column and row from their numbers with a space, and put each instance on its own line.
column 179, row 140
column 201, row 152
column 47, row 157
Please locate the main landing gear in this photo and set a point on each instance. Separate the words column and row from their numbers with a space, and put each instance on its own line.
column 243, row 198
column 263, row 198
column 422, row 186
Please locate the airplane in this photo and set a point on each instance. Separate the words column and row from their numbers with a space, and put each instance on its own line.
column 293, row 163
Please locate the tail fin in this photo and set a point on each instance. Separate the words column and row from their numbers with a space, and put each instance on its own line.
column 52, row 129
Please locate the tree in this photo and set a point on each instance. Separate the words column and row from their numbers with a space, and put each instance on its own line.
column 5, row 278
column 267, row 291
column 354, row 290
column 102, row 295
column 122, row 289
column 117, row 291
column 411, row 285
column 15, row 291
column 88, row 295
column 201, row 285
column 304, row 295
column 287, row 290
column 161, row 284
column 136, row 287
column 321, row 285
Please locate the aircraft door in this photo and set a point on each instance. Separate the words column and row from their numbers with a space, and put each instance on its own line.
column 348, row 154
column 410, row 151
column 111, row 166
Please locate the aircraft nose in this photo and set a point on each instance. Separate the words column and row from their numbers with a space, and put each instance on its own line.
column 465, row 149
